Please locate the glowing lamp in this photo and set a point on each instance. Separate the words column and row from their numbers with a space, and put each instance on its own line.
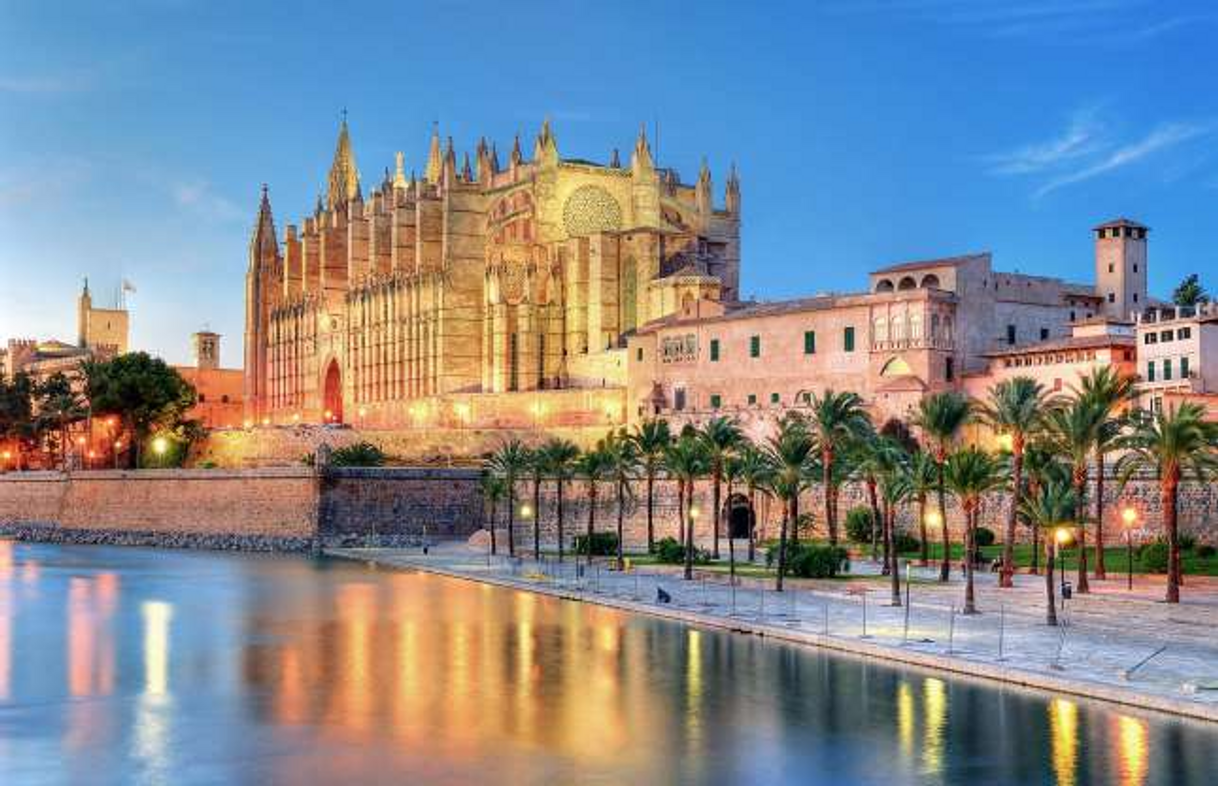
column 160, row 445
column 1006, row 442
column 266, row 421
column 526, row 511
column 118, row 445
column 933, row 518
column 1063, row 535
column 80, row 440
column 7, row 455
column 295, row 416
column 249, row 424
column 362, row 412
column 1129, row 516
column 694, row 512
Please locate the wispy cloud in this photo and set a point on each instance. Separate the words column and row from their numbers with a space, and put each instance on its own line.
column 1083, row 136
column 1161, row 138
column 198, row 197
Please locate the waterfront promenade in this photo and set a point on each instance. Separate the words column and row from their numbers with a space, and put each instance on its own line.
column 1115, row 644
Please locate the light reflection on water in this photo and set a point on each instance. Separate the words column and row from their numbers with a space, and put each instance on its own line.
column 136, row 666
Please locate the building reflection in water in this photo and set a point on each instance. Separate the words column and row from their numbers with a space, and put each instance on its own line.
column 153, row 709
column 1063, row 730
column 1132, row 758
column 934, row 699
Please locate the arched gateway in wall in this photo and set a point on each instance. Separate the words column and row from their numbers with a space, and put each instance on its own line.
column 740, row 516
column 332, row 394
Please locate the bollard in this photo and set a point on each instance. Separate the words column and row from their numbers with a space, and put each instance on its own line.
column 596, row 585
column 761, row 603
column 793, row 613
column 733, row 599
column 865, row 636
column 826, row 607
column 905, row 631
column 637, row 596
column 951, row 629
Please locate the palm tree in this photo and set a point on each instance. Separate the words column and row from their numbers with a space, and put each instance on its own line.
column 941, row 416
column 493, row 489
column 1172, row 443
column 755, row 472
column 1053, row 505
column 622, row 462
column 836, row 420
column 1014, row 409
column 1108, row 391
column 720, row 437
column 592, row 466
column 686, row 461
column 536, row 467
column 791, row 453
column 895, row 489
column 510, row 462
column 560, row 455
column 1070, row 427
column 1041, row 467
column 732, row 472
column 970, row 473
column 923, row 479
column 870, row 457
column 651, row 438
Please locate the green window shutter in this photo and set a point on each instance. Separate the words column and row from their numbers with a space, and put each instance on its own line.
column 809, row 342
column 1184, row 368
column 1150, row 371
column 755, row 347
column 774, row 399
column 1166, row 369
column 752, row 399
column 848, row 339
column 714, row 350
column 716, row 401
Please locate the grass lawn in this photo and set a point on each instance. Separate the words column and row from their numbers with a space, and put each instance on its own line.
column 1115, row 559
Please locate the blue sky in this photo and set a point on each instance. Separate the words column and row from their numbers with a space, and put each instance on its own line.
column 134, row 134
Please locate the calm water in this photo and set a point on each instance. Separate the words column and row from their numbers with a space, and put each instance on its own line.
column 125, row 665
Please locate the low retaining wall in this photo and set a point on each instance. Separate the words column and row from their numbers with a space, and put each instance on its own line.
column 264, row 509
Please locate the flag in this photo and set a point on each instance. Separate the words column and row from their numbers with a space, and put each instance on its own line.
column 128, row 286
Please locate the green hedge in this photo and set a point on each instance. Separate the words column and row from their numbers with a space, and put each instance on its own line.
column 604, row 544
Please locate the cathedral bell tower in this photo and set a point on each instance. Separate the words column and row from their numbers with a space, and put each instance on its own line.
column 260, row 283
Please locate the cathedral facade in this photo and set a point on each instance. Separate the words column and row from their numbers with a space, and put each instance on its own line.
column 518, row 281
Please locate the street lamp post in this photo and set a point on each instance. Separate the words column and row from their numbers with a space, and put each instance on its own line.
column 1063, row 539
column 1130, row 517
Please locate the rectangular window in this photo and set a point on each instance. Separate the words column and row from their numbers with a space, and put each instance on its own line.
column 716, row 401
column 809, row 342
column 755, row 346
column 1166, row 369
column 1151, row 338
column 752, row 399
column 1044, row 334
column 1111, row 298
column 639, row 354
column 949, row 369
column 1184, row 368
column 714, row 350
column 1010, row 334
column 807, row 397
column 1165, row 335
column 1184, row 332
column 1150, row 371
column 848, row 339
column 678, row 399
column 1110, row 268
column 774, row 399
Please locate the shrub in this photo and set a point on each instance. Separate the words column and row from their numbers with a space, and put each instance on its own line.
column 1187, row 541
column 858, row 524
column 985, row 537
column 904, row 542
column 1153, row 557
column 361, row 454
column 1204, row 550
column 817, row 562
column 604, row 544
column 668, row 550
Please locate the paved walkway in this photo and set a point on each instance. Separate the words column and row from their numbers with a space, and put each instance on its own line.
column 1113, row 644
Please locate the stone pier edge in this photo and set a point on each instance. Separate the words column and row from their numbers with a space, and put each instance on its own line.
column 958, row 667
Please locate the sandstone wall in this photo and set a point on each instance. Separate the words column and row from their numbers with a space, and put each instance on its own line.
column 401, row 501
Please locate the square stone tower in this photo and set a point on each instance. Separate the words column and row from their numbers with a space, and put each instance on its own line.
column 1120, row 266
column 207, row 349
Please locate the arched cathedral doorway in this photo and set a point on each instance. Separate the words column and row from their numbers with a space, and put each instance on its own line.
column 332, row 396
column 740, row 516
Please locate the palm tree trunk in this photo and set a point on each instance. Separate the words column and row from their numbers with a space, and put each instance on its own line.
column 537, row 519
column 494, row 544
column 511, row 522
column 795, row 518
column 1050, row 597
column 651, row 533
column 1169, row 488
column 731, row 542
column 890, row 549
column 715, row 517
column 884, row 512
column 830, row 507
column 875, row 518
column 1100, row 572
column 591, row 517
column 782, row 547
column 752, row 523
column 681, row 524
column 1007, row 578
column 970, row 557
column 558, row 512
column 1080, row 488
column 688, row 509
column 924, row 556
column 621, row 511
column 945, row 568
column 1035, row 551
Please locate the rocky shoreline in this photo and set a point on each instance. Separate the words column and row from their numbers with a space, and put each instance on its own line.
column 211, row 541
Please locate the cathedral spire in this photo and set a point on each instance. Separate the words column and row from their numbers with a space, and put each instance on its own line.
column 641, row 161
column 545, row 149
column 516, row 156
column 344, row 177
column 434, row 160
column 615, row 160
column 467, row 174
column 399, row 174
column 263, row 244
column 731, row 195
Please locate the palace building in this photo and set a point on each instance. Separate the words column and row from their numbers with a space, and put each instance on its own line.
column 517, row 281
